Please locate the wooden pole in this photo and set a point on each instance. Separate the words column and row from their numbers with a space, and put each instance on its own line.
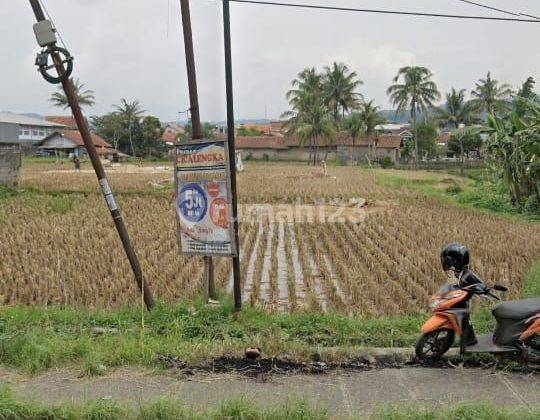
column 82, row 125
column 197, row 131
column 232, row 152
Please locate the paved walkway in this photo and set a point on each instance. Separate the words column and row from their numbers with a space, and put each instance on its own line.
column 343, row 393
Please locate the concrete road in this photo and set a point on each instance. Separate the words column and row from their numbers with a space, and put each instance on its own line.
column 345, row 394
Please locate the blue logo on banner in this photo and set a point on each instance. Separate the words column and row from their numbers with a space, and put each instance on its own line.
column 192, row 202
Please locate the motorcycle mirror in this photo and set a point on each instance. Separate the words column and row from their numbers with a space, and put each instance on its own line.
column 500, row 288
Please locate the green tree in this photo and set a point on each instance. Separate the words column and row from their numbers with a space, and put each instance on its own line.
column 151, row 132
column 413, row 90
column 463, row 141
column 309, row 115
column 456, row 110
column 427, row 134
column 514, row 144
column 85, row 96
column 339, row 85
column 110, row 126
column 354, row 126
column 491, row 97
column 249, row 131
column 525, row 94
column 131, row 113
column 371, row 118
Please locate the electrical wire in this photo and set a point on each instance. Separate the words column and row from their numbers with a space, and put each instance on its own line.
column 489, row 7
column 381, row 11
column 485, row 6
column 42, row 2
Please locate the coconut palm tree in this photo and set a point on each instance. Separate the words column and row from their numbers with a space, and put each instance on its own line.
column 490, row 96
column 85, row 96
column 456, row 110
column 130, row 112
column 316, row 126
column 371, row 118
column 413, row 90
column 339, row 84
column 353, row 126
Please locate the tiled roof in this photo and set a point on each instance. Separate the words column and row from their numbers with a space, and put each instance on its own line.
column 67, row 120
column 262, row 142
column 75, row 137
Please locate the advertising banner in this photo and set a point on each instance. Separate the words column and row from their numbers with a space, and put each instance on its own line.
column 203, row 198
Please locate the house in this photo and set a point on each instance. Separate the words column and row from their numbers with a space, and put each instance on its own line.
column 29, row 130
column 10, row 155
column 70, row 143
column 171, row 133
column 290, row 148
column 67, row 121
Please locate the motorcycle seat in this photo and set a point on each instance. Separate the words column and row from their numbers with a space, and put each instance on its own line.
column 517, row 309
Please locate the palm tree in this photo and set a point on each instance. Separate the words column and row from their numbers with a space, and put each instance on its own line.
column 305, row 118
column 371, row 118
column 490, row 97
column 315, row 126
column 85, row 96
column 456, row 110
column 130, row 112
column 415, row 93
column 354, row 126
column 339, row 84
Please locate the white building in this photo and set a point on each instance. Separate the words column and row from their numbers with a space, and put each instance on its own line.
column 30, row 130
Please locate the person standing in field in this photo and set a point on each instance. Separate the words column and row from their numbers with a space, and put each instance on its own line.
column 77, row 163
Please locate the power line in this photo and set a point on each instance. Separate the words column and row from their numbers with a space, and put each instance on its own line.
column 485, row 6
column 388, row 12
column 489, row 7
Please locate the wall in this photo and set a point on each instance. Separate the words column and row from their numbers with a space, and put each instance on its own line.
column 359, row 153
column 291, row 153
column 10, row 164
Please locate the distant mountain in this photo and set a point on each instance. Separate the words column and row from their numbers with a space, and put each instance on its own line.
column 391, row 116
column 27, row 114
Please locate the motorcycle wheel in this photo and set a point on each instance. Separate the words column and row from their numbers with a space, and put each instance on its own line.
column 433, row 345
column 531, row 354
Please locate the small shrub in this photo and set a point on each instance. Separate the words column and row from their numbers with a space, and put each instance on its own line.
column 453, row 189
column 386, row 162
column 532, row 205
column 265, row 157
column 249, row 156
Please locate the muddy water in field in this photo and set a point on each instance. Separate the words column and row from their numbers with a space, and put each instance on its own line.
column 335, row 279
column 283, row 289
column 248, row 285
column 265, row 292
column 316, row 274
column 297, row 265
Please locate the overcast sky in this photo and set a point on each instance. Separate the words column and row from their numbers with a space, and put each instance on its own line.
column 134, row 49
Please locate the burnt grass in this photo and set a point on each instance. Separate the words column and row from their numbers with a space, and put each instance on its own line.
column 263, row 367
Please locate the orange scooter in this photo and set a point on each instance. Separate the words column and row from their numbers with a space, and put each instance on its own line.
column 518, row 322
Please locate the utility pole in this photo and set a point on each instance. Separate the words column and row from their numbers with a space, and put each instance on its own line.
column 232, row 150
column 47, row 39
column 197, row 131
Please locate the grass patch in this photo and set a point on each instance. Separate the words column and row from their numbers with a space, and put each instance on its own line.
column 243, row 409
column 164, row 409
column 533, row 281
column 475, row 193
column 37, row 338
column 472, row 411
column 54, row 201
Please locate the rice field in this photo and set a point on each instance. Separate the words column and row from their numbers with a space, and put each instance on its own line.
column 59, row 246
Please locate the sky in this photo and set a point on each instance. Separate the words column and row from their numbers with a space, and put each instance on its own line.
column 133, row 49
